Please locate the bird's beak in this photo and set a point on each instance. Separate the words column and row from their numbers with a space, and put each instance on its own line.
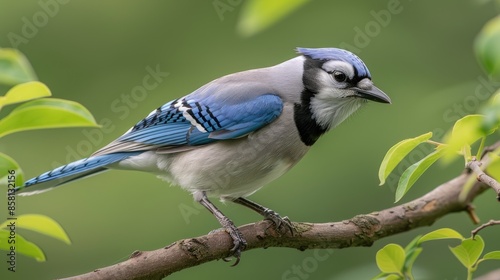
column 366, row 89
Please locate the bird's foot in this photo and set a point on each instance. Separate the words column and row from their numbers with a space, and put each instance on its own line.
column 282, row 223
column 238, row 241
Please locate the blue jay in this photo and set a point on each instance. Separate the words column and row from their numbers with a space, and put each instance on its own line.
column 237, row 133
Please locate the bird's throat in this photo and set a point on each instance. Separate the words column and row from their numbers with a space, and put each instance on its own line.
column 309, row 130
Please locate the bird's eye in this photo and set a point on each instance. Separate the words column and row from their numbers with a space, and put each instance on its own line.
column 339, row 76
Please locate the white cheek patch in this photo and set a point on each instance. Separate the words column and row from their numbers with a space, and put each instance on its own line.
column 328, row 113
column 325, row 81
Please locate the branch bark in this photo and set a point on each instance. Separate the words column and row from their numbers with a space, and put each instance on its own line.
column 492, row 275
column 361, row 230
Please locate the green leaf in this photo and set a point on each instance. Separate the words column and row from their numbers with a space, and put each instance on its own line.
column 22, row 246
column 46, row 113
column 465, row 132
column 442, row 233
column 379, row 276
column 6, row 165
column 493, row 168
column 15, row 68
column 412, row 173
column 411, row 257
column 391, row 258
column 412, row 251
column 397, row 152
column 24, row 92
column 388, row 276
column 495, row 255
column 469, row 251
column 394, row 277
column 258, row 15
column 486, row 47
column 41, row 224
column 491, row 113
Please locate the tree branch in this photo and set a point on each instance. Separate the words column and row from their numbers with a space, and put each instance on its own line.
column 475, row 166
column 361, row 230
column 483, row 226
column 492, row 275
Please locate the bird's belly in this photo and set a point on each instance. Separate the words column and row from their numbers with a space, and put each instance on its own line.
column 234, row 179
column 224, row 175
column 231, row 169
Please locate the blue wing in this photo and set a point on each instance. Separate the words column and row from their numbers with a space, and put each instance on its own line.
column 197, row 120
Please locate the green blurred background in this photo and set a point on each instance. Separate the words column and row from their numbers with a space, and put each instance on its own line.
column 96, row 52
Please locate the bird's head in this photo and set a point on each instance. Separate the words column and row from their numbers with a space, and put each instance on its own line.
column 336, row 83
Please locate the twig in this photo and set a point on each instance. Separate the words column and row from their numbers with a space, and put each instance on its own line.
column 471, row 211
column 361, row 230
column 489, row 149
column 483, row 226
column 475, row 166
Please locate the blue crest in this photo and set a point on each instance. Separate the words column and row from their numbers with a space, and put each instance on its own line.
column 337, row 54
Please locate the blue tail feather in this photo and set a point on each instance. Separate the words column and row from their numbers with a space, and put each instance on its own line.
column 70, row 172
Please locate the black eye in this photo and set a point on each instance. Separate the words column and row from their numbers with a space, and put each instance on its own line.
column 339, row 76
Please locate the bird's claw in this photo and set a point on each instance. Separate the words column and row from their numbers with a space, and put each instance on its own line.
column 239, row 245
column 281, row 224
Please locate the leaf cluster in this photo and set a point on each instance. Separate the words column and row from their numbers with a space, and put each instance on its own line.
column 396, row 262
column 35, row 110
